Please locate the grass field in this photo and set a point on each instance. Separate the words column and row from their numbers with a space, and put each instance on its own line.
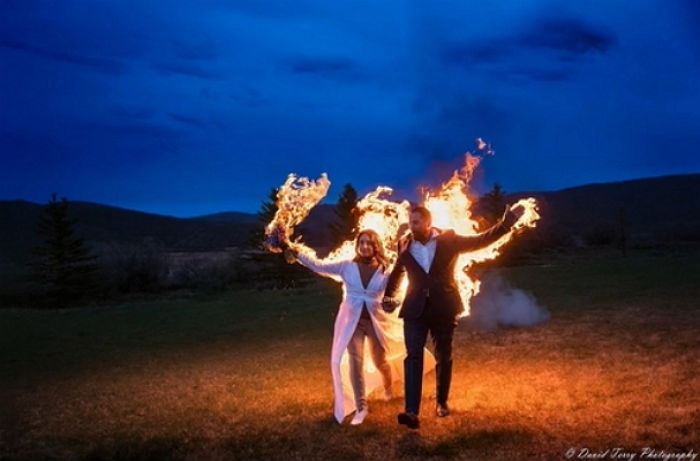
column 245, row 375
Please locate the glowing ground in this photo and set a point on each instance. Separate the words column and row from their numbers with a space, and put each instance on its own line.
column 245, row 374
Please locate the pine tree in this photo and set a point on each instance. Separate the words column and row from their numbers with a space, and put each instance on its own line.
column 267, row 211
column 492, row 204
column 273, row 270
column 63, row 265
column 345, row 226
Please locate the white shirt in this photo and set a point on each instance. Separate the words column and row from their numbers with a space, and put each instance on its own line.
column 424, row 254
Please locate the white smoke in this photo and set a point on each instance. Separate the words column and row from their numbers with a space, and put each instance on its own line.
column 499, row 304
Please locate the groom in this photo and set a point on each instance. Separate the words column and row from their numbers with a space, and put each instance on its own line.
column 432, row 303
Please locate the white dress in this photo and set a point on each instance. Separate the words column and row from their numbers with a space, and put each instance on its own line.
column 388, row 327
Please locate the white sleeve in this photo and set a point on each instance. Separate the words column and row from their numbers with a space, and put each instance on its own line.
column 320, row 267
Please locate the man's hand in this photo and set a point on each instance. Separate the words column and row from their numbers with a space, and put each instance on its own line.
column 403, row 244
column 389, row 304
column 518, row 211
column 402, row 237
column 511, row 216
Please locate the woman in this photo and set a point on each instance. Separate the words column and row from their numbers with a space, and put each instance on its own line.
column 360, row 316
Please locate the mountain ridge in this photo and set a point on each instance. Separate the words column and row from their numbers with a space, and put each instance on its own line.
column 667, row 206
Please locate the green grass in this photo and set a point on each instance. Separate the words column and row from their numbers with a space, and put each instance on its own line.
column 245, row 375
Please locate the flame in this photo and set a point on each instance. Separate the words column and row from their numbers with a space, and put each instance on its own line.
column 381, row 215
column 295, row 199
column 449, row 206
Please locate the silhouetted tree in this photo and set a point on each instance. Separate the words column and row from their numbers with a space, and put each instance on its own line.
column 267, row 211
column 273, row 270
column 63, row 266
column 491, row 205
column 346, row 223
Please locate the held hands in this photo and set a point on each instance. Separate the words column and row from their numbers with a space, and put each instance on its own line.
column 389, row 304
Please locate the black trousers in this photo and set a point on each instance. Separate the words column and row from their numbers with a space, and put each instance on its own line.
column 415, row 331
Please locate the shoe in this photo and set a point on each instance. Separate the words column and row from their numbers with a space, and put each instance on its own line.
column 442, row 410
column 388, row 394
column 409, row 419
column 360, row 416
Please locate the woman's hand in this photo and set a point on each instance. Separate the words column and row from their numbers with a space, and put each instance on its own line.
column 390, row 304
column 290, row 255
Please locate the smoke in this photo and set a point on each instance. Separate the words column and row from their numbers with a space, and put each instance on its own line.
column 499, row 304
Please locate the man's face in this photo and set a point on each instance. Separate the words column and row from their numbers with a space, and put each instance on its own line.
column 420, row 226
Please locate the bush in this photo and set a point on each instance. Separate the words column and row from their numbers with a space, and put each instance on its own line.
column 131, row 268
column 213, row 271
column 602, row 234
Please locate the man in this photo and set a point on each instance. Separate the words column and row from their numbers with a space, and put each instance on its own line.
column 432, row 302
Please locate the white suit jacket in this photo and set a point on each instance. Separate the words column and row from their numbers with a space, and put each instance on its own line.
column 388, row 327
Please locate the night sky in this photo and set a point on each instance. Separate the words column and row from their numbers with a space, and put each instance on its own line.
column 188, row 108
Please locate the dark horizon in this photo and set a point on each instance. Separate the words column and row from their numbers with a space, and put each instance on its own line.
column 330, row 198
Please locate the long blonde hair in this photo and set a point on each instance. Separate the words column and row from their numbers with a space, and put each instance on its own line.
column 376, row 245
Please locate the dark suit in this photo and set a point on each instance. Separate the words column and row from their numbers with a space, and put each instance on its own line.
column 432, row 304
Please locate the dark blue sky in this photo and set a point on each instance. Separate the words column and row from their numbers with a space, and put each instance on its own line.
column 187, row 108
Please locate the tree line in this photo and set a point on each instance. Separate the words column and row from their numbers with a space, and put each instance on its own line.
column 65, row 271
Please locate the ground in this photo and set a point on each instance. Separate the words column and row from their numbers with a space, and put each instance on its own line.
column 245, row 374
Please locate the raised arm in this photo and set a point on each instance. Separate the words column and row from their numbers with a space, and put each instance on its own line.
column 327, row 269
column 467, row 243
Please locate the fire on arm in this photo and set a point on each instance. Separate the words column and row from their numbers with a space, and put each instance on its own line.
column 463, row 244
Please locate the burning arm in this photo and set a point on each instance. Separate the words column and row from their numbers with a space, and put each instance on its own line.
column 489, row 236
column 278, row 241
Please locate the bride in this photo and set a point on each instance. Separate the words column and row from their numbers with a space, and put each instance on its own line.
column 360, row 317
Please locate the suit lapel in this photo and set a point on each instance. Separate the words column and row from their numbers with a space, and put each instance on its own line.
column 359, row 277
column 432, row 263
column 439, row 243
column 412, row 259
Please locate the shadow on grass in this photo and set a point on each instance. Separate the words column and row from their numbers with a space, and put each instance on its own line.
column 150, row 449
column 479, row 441
column 122, row 449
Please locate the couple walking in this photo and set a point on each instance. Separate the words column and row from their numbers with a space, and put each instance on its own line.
column 432, row 304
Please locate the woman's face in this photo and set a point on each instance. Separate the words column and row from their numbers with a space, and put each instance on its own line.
column 364, row 246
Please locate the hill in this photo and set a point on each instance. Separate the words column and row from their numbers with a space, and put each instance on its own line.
column 99, row 223
column 665, row 208
column 653, row 209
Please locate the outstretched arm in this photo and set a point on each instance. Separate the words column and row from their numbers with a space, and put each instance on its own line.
column 476, row 242
column 327, row 269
